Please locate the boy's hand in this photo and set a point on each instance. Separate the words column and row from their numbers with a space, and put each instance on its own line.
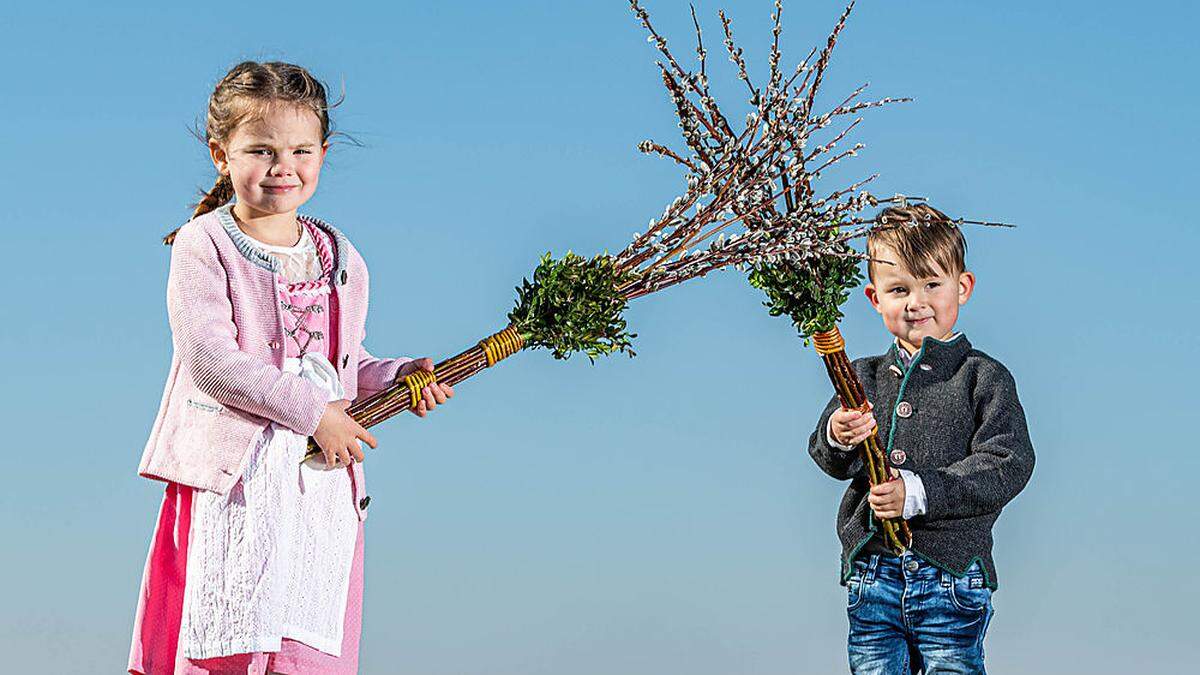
column 887, row 500
column 851, row 427
column 339, row 435
column 432, row 394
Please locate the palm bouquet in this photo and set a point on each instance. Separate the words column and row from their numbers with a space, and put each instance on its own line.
column 748, row 202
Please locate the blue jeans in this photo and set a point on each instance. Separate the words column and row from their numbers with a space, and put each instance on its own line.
column 907, row 615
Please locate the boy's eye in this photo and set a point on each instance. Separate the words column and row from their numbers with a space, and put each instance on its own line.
column 304, row 152
column 934, row 284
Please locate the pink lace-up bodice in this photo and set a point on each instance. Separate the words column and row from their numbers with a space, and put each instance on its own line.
column 304, row 292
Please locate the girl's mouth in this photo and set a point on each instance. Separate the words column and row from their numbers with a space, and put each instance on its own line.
column 278, row 189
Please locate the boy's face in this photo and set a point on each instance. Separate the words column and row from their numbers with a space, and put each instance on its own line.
column 914, row 308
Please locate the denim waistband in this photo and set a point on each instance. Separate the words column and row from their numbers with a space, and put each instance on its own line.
column 909, row 567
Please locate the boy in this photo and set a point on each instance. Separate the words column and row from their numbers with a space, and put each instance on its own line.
column 957, row 446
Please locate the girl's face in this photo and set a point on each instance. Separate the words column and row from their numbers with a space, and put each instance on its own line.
column 274, row 161
column 913, row 308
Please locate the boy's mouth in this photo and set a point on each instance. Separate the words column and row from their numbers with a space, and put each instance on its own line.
column 920, row 322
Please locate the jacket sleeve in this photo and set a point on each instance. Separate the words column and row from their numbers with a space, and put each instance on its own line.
column 1000, row 461
column 375, row 374
column 201, row 317
column 839, row 463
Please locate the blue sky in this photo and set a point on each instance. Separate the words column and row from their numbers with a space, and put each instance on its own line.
column 617, row 518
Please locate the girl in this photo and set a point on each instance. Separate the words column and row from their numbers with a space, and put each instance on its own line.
column 256, row 561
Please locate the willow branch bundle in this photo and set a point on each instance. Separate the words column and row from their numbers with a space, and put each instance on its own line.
column 749, row 200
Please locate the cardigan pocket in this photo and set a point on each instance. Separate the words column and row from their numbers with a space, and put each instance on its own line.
column 211, row 407
column 200, row 415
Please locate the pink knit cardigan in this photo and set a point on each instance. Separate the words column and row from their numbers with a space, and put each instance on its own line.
column 226, row 381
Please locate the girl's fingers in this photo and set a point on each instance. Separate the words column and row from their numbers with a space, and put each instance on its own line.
column 428, row 399
column 420, row 409
column 447, row 390
column 367, row 436
column 356, row 451
column 438, row 395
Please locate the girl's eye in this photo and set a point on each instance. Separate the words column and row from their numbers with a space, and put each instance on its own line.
column 934, row 284
column 304, row 152
column 260, row 151
column 898, row 289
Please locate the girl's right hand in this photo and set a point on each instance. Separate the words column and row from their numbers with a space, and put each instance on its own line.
column 339, row 435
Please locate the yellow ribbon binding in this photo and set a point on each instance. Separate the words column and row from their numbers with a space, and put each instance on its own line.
column 501, row 345
column 828, row 342
column 416, row 382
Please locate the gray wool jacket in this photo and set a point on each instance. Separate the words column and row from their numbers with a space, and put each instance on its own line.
column 952, row 417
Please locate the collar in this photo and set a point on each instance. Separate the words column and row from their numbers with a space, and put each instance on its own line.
column 937, row 354
column 250, row 250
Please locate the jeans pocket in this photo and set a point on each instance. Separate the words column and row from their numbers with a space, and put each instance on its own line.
column 855, row 590
column 970, row 592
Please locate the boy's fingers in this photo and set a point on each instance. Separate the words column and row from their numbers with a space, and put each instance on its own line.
column 357, row 452
column 447, row 390
column 425, row 364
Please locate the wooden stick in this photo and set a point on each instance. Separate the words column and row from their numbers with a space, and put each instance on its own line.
column 832, row 348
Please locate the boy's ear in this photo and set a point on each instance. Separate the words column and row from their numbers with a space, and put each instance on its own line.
column 219, row 158
column 966, row 285
column 873, row 296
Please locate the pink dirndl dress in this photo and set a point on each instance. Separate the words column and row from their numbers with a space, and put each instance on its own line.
column 171, row 631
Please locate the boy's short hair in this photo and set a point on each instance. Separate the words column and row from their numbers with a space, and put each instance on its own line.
column 923, row 237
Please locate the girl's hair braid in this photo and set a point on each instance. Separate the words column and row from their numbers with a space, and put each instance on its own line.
column 247, row 92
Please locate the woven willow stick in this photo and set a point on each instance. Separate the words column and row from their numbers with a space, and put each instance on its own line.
column 832, row 348
column 405, row 394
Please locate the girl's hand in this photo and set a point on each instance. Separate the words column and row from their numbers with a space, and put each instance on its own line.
column 431, row 395
column 339, row 435
column 887, row 500
column 850, row 427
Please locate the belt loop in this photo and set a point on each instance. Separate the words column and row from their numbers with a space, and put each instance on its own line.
column 947, row 581
column 872, row 567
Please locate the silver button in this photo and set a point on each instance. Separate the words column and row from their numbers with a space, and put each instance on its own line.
column 904, row 409
column 273, row 344
column 896, row 369
column 345, row 276
column 925, row 366
column 898, row 457
column 911, row 565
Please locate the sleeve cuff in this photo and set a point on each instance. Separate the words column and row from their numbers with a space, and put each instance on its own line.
column 914, row 495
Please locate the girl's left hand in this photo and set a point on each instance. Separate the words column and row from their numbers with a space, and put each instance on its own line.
column 432, row 394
